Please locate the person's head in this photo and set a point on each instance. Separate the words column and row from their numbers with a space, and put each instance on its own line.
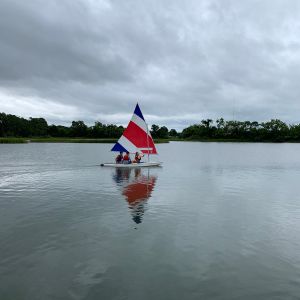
column 127, row 152
column 121, row 153
column 136, row 153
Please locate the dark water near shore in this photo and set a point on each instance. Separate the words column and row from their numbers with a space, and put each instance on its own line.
column 217, row 221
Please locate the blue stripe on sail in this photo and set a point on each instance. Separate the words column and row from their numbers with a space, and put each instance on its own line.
column 138, row 112
column 118, row 147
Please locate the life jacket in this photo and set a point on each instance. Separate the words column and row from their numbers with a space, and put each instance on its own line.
column 126, row 157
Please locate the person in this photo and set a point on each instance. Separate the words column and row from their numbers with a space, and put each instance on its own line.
column 138, row 157
column 126, row 158
column 119, row 158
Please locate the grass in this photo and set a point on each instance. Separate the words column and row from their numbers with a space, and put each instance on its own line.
column 231, row 140
column 10, row 140
column 70, row 140
column 161, row 141
column 208, row 140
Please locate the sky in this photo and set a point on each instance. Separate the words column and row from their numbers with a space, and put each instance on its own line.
column 183, row 61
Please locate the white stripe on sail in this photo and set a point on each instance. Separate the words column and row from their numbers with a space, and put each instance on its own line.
column 139, row 122
column 130, row 147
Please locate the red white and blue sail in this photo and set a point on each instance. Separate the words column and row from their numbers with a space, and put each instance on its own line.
column 136, row 137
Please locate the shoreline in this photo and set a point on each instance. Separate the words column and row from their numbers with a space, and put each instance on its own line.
column 16, row 140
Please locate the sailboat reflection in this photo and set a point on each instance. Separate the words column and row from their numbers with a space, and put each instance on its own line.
column 137, row 186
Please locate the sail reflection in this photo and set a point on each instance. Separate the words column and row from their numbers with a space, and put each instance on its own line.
column 137, row 187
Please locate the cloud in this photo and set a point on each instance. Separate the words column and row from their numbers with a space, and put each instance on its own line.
column 38, row 107
column 183, row 61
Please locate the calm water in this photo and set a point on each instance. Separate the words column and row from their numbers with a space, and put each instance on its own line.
column 217, row 221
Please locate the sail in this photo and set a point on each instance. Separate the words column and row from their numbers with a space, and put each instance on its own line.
column 136, row 137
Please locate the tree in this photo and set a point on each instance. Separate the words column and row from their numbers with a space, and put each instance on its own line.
column 163, row 132
column 154, row 130
column 173, row 133
column 275, row 130
column 295, row 132
column 206, row 131
column 97, row 131
column 59, row 131
column 78, row 129
column 38, row 126
column 207, row 122
column 1, row 125
column 220, row 123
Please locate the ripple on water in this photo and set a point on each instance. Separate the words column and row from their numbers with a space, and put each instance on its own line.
column 222, row 226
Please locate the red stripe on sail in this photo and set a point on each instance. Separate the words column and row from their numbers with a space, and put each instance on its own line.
column 139, row 191
column 138, row 137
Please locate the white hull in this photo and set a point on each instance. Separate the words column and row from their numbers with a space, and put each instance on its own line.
column 132, row 165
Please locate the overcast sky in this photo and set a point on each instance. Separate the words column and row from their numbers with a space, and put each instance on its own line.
column 183, row 61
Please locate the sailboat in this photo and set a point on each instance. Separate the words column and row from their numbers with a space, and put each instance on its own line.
column 136, row 138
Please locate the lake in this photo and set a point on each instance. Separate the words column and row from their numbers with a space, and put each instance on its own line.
column 217, row 221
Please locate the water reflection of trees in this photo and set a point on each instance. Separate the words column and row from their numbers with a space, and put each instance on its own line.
column 137, row 186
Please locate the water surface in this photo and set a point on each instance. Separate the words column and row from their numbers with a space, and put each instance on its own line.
column 217, row 221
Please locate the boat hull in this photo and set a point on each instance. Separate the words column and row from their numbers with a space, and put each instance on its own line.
column 133, row 165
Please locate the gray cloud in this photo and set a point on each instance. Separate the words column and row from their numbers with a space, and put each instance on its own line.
column 183, row 61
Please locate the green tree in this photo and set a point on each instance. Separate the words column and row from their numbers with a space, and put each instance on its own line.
column 275, row 130
column 38, row 126
column 78, row 129
column 59, row 131
column 154, row 130
column 206, row 129
column 1, row 125
column 163, row 132
column 98, row 130
column 173, row 133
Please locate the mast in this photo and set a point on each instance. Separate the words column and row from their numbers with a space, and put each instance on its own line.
column 147, row 140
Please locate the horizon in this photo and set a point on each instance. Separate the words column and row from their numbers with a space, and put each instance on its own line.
column 69, row 123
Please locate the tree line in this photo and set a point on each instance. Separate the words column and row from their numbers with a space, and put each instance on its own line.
column 13, row 126
column 274, row 130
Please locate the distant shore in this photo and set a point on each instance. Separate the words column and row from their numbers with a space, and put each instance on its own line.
column 16, row 140
column 14, row 129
